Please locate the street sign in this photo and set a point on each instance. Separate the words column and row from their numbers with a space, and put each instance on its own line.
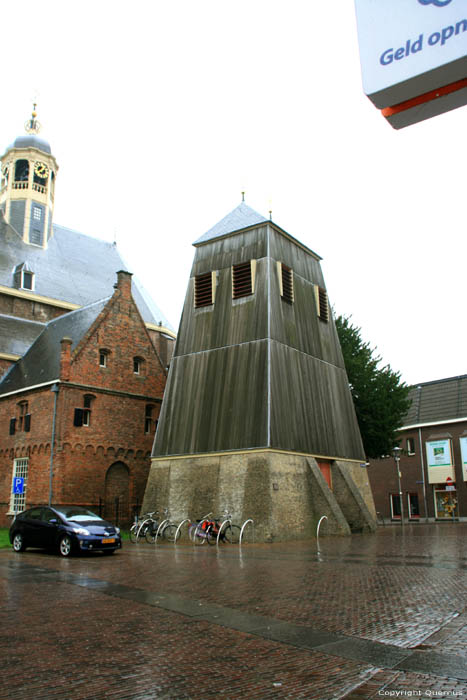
column 18, row 485
column 414, row 56
column 450, row 487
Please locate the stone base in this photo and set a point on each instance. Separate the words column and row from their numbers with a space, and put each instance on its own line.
column 284, row 493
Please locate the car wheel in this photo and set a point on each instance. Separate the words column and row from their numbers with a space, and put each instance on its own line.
column 65, row 546
column 19, row 545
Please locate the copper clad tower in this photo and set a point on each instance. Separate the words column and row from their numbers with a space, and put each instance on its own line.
column 257, row 415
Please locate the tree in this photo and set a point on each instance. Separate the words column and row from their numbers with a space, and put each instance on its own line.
column 381, row 400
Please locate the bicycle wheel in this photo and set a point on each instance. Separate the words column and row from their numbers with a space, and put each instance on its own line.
column 150, row 532
column 231, row 534
column 169, row 532
column 199, row 536
column 211, row 536
column 133, row 531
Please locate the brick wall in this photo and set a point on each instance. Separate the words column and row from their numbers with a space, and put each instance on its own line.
column 92, row 462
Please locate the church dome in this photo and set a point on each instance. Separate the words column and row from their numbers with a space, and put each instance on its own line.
column 32, row 141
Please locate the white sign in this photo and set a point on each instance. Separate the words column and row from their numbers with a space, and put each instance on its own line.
column 410, row 47
column 439, row 453
column 463, row 441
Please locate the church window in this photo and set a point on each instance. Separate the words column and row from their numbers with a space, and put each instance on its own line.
column 204, row 289
column 285, row 282
column 82, row 415
column 24, row 417
column 20, row 471
column 103, row 357
column 149, row 422
column 243, row 279
column 23, row 277
column 21, row 171
column 138, row 364
column 322, row 305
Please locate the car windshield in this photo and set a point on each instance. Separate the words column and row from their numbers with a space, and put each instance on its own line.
column 77, row 514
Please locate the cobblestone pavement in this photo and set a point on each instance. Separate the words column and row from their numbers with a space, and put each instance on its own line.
column 369, row 616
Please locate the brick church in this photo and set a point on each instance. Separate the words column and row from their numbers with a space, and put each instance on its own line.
column 84, row 353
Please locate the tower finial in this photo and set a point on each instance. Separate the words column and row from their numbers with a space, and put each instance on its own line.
column 243, row 196
column 32, row 126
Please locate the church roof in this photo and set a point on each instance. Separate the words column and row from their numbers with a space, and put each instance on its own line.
column 241, row 217
column 74, row 268
column 31, row 141
column 41, row 363
column 18, row 334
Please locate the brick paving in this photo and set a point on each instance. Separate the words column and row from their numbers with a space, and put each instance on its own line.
column 184, row 623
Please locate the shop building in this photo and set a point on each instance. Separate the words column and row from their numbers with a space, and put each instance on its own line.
column 432, row 460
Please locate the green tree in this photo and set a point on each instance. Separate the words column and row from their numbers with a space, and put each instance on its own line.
column 381, row 399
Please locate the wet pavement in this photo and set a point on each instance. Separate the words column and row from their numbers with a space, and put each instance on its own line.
column 369, row 616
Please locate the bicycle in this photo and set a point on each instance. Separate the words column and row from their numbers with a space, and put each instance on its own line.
column 230, row 533
column 165, row 529
column 141, row 525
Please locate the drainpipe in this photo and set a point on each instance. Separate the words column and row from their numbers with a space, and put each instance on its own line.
column 422, row 462
column 55, row 390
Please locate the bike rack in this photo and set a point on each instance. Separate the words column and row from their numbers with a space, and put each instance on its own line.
column 187, row 520
column 243, row 528
column 323, row 517
column 164, row 522
column 220, row 529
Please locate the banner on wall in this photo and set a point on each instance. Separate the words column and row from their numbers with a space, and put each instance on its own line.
column 463, row 441
column 439, row 461
column 414, row 56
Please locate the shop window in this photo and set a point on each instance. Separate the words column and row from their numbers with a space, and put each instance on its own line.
column 414, row 509
column 410, row 445
column 20, row 471
column 446, row 505
column 243, row 279
column 395, row 506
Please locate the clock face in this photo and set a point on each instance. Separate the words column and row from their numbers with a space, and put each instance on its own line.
column 41, row 170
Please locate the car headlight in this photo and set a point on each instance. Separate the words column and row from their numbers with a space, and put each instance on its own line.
column 81, row 531
column 117, row 530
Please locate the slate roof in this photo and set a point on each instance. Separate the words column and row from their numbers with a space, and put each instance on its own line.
column 18, row 333
column 438, row 401
column 241, row 217
column 74, row 268
column 41, row 363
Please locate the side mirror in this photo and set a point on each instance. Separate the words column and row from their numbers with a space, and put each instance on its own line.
column 53, row 521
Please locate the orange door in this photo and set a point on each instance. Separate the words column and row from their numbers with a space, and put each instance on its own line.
column 325, row 468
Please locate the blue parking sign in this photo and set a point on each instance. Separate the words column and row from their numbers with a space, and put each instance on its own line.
column 18, row 485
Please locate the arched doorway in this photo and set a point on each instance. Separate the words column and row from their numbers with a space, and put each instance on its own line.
column 117, row 494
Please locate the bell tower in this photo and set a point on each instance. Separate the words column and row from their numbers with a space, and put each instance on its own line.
column 27, row 186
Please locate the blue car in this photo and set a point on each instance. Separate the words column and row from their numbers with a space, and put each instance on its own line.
column 67, row 529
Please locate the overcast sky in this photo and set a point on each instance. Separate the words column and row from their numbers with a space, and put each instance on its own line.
column 161, row 113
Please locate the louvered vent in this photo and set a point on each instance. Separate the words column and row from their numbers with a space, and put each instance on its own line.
column 323, row 306
column 203, row 290
column 287, row 284
column 241, row 280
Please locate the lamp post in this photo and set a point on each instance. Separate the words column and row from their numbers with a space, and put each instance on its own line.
column 397, row 458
